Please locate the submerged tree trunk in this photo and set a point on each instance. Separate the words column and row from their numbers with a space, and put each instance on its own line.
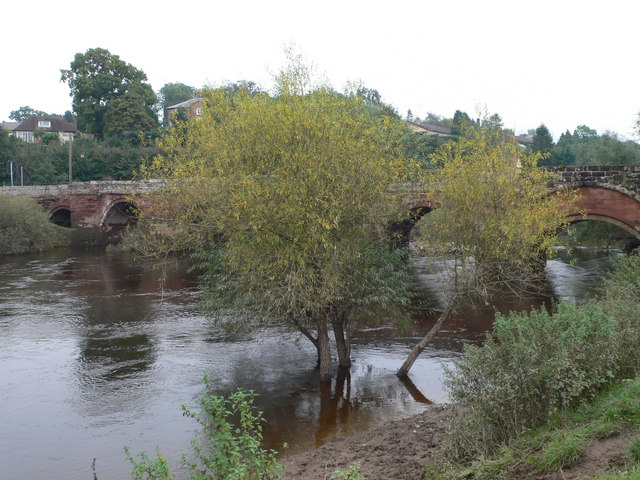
column 403, row 371
column 342, row 334
column 324, row 350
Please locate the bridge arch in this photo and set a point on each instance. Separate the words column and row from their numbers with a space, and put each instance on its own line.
column 602, row 218
column 609, row 205
column 61, row 215
column 118, row 215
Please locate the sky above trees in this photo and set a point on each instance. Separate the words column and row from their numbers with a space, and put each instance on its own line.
column 560, row 63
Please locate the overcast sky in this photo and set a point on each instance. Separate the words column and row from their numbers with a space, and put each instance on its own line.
column 559, row 62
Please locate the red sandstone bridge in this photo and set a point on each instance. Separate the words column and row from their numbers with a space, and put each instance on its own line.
column 607, row 193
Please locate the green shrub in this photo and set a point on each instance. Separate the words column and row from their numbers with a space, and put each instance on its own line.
column 623, row 282
column 621, row 292
column 227, row 448
column 25, row 227
column 531, row 366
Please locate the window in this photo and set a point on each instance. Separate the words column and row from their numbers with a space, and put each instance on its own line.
column 25, row 136
column 44, row 124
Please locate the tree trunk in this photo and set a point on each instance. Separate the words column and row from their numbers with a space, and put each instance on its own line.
column 342, row 333
column 403, row 371
column 324, row 351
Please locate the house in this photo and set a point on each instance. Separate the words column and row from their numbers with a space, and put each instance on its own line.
column 429, row 129
column 192, row 109
column 32, row 128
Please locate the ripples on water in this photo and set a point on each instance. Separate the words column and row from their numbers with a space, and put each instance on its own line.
column 97, row 354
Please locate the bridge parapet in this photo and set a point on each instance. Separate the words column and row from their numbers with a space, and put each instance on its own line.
column 112, row 187
column 624, row 178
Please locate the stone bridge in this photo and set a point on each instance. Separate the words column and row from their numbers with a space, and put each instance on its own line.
column 96, row 210
column 607, row 193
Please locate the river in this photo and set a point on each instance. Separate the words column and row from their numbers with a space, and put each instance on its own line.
column 97, row 353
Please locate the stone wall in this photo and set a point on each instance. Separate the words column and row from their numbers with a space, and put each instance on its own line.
column 625, row 178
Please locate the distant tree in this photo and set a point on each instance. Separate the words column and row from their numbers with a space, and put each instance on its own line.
column 409, row 115
column 68, row 116
column 434, row 119
column 97, row 77
column 584, row 133
column 25, row 112
column 461, row 121
column 562, row 153
column 542, row 140
column 492, row 122
column 610, row 149
column 173, row 93
column 369, row 95
column 129, row 113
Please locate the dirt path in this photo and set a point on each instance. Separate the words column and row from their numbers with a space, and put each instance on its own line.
column 395, row 450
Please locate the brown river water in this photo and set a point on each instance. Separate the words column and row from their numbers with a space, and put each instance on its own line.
column 96, row 354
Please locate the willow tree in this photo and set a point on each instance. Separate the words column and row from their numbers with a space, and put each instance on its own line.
column 286, row 199
column 495, row 220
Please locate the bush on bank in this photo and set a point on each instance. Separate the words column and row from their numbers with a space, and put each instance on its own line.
column 534, row 366
column 25, row 227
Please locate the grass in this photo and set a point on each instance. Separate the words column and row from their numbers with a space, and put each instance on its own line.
column 561, row 443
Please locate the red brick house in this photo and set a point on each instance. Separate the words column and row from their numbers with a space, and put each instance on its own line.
column 191, row 109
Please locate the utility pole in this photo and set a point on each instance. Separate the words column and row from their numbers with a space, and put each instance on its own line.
column 70, row 158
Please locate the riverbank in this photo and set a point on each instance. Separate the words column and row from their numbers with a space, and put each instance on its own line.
column 599, row 440
column 395, row 450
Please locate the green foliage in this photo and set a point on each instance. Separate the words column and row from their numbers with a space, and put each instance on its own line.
column 518, row 389
column 9, row 146
column 129, row 113
column 146, row 468
column 585, row 147
column 557, row 444
column 634, row 450
column 25, row 227
column 173, row 93
column 97, row 77
column 542, row 140
column 351, row 473
column 530, row 367
column 562, row 452
column 631, row 474
column 48, row 137
column 118, row 158
column 227, row 448
column 623, row 283
column 25, row 112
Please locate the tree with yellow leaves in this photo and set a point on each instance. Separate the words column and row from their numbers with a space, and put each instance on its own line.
column 286, row 197
column 495, row 219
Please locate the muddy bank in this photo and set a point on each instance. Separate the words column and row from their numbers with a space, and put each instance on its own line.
column 395, row 450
